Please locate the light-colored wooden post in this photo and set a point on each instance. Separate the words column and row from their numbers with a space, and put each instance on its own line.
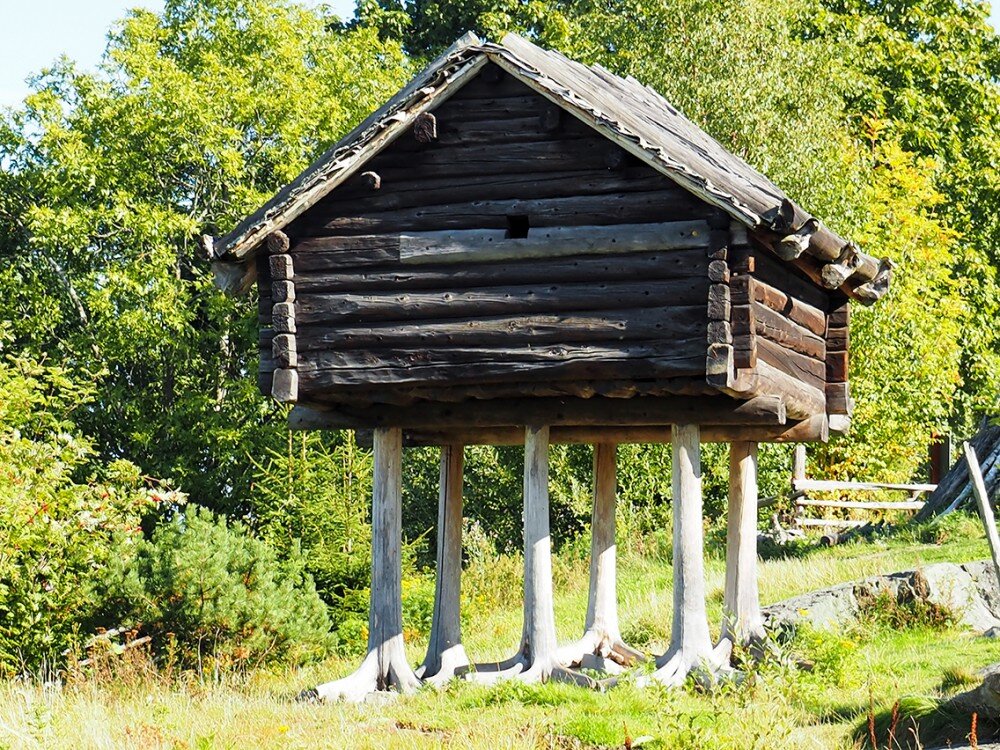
column 799, row 464
column 690, row 641
column 743, row 622
column 539, row 617
column 385, row 667
column 985, row 509
column 537, row 659
column 445, row 653
column 602, row 639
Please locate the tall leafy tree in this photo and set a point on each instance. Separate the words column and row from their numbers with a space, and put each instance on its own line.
column 194, row 118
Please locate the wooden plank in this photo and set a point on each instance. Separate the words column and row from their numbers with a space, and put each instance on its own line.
column 576, row 210
column 902, row 505
column 634, row 412
column 824, row 485
column 459, row 246
column 328, row 369
column 838, row 398
column 569, row 328
column 333, row 276
column 536, row 298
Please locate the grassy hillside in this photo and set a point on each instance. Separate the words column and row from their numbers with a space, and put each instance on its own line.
column 123, row 704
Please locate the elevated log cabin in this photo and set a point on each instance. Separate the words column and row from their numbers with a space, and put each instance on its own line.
column 520, row 234
column 521, row 249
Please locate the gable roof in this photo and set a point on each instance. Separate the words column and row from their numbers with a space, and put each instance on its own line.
column 634, row 116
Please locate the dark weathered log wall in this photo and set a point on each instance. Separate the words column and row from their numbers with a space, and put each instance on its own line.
column 410, row 285
column 372, row 326
column 788, row 315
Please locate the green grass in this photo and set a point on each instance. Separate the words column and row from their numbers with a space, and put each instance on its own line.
column 778, row 706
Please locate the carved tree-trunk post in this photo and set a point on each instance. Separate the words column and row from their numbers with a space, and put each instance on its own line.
column 601, row 646
column 445, row 653
column 742, row 623
column 690, row 643
column 385, row 667
column 537, row 659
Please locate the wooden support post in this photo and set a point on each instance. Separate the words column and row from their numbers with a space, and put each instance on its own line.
column 445, row 653
column 743, row 622
column 799, row 465
column 985, row 509
column 537, row 658
column 601, row 646
column 385, row 667
column 690, row 644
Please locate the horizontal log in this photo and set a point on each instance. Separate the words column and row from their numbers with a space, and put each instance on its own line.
column 632, row 412
column 801, row 399
column 575, row 327
column 811, row 318
column 807, row 369
column 838, row 339
column 802, row 432
column 781, row 330
column 860, row 505
column 330, row 275
column 460, row 246
column 826, row 485
column 536, row 298
column 790, row 279
column 330, row 369
column 354, row 197
column 576, row 210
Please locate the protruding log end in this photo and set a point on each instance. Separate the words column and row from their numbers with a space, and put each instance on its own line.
column 793, row 245
column 281, row 267
column 278, row 242
column 285, row 386
column 425, row 128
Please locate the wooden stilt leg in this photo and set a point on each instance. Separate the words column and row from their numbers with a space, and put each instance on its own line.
column 385, row 667
column 601, row 646
column 537, row 659
column 743, row 622
column 690, row 643
column 445, row 653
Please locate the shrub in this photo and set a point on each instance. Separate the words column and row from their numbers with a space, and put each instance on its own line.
column 60, row 510
column 211, row 592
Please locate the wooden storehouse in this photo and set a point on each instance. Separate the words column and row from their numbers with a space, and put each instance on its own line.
column 520, row 248
column 516, row 232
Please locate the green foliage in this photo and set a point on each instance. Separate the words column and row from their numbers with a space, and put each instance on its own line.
column 315, row 494
column 195, row 117
column 62, row 520
column 209, row 592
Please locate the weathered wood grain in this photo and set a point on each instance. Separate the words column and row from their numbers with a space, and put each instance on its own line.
column 652, row 323
column 535, row 298
column 337, row 276
column 576, row 210
column 633, row 412
column 456, row 365
column 782, row 330
column 458, row 246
